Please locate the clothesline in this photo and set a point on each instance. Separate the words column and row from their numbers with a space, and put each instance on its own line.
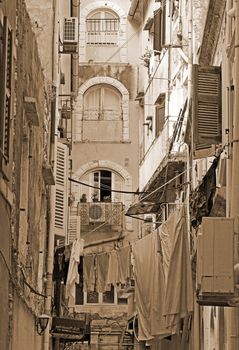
column 140, row 200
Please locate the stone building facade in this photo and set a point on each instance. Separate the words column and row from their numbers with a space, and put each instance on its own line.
column 25, row 154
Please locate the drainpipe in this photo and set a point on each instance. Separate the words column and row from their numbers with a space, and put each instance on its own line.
column 54, row 120
column 233, row 339
column 195, row 339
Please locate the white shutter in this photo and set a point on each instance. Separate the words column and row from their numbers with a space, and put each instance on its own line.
column 61, row 190
column 73, row 228
column 116, row 185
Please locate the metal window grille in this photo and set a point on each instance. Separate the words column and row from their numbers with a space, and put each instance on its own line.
column 102, row 31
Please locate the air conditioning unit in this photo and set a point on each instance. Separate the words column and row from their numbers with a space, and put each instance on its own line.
column 97, row 212
column 216, row 285
column 70, row 31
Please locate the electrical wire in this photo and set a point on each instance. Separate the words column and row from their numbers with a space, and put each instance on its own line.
column 24, row 278
column 159, row 188
column 104, row 187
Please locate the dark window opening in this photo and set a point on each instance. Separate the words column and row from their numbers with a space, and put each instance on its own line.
column 108, row 296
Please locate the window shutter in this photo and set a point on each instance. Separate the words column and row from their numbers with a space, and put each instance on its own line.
column 159, row 119
column 163, row 23
column 157, row 31
column 206, row 106
column 116, row 185
column 73, row 228
column 61, row 192
column 6, row 87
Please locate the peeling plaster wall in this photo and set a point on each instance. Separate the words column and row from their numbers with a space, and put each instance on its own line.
column 30, row 209
column 8, row 8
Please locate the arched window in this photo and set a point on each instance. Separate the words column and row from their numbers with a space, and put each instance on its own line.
column 101, row 182
column 102, row 28
column 102, row 102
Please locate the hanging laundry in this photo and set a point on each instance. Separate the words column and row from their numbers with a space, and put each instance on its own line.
column 201, row 200
column 60, row 269
column 73, row 275
column 113, row 272
column 179, row 290
column 149, row 288
column 89, row 273
column 102, row 268
column 124, row 257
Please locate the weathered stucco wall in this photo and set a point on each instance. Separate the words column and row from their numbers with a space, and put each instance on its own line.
column 7, row 8
column 30, row 153
column 5, row 239
column 24, row 334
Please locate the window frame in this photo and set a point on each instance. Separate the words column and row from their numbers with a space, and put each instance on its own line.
column 101, row 111
column 100, row 35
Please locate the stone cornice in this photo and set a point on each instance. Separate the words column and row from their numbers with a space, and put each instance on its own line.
column 211, row 33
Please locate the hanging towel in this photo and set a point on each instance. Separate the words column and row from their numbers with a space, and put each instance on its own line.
column 89, row 273
column 113, row 272
column 149, row 288
column 73, row 275
column 102, row 267
column 123, row 255
column 179, row 290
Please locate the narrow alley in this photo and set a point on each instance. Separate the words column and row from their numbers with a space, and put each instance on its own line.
column 119, row 174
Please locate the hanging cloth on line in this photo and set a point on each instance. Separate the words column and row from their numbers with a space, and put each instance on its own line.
column 73, row 275
column 179, row 290
column 149, row 288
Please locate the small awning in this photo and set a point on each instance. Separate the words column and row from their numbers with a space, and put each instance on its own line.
column 149, row 23
column 160, row 99
column 68, row 328
column 139, row 96
column 166, row 171
column 143, row 208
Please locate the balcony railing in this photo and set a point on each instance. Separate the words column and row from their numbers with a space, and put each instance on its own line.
column 95, row 214
column 102, row 31
column 105, row 114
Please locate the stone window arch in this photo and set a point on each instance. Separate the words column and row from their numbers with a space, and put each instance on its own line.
column 102, row 102
column 122, row 180
column 78, row 113
column 102, row 27
column 111, row 9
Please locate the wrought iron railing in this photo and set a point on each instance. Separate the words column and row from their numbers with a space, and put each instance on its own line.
column 107, row 213
column 102, row 31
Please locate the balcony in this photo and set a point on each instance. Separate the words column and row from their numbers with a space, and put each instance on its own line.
column 100, row 220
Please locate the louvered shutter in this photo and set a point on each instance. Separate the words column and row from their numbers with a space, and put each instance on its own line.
column 61, row 193
column 206, row 106
column 73, row 228
column 157, row 31
column 6, row 87
column 116, row 185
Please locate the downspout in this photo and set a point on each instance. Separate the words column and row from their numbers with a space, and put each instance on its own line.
column 75, row 56
column 233, row 339
column 54, row 121
column 195, row 338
